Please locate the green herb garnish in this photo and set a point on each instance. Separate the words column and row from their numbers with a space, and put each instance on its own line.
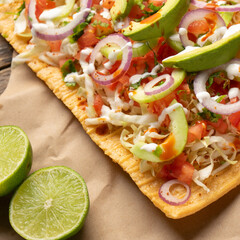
column 67, row 68
column 79, row 29
column 210, row 116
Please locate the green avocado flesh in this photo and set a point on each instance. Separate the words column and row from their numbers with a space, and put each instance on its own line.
column 137, row 52
column 206, row 57
column 121, row 9
column 162, row 23
column 177, row 46
column 168, row 149
column 140, row 97
column 227, row 17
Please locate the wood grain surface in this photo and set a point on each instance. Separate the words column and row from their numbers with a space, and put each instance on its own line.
column 5, row 63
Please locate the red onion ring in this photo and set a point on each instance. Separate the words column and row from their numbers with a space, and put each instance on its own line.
column 149, row 88
column 53, row 34
column 199, row 4
column 196, row 15
column 165, row 194
column 126, row 47
column 199, row 86
column 228, row 8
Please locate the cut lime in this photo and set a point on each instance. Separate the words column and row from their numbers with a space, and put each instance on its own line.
column 15, row 158
column 50, row 204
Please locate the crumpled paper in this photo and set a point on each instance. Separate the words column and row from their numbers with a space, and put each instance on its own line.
column 118, row 210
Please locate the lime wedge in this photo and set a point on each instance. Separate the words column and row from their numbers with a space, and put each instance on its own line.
column 50, row 204
column 15, row 158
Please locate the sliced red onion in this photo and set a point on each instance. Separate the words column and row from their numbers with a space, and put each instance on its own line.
column 151, row 89
column 228, row 8
column 203, row 96
column 43, row 31
column 199, row 4
column 192, row 16
column 126, row 47
column 165, row 194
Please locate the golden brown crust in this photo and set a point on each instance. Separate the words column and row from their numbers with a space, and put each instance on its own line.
column 110, row 143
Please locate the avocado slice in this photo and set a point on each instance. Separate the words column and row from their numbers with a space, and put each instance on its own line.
column 175, row 45
column 140, row 96
column 206, row 57
column 140, row 51
column 227, row 17
column 121, row 9
column 162, row 23
column 173, row 145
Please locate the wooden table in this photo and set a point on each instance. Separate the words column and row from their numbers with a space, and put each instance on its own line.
column 5, row 63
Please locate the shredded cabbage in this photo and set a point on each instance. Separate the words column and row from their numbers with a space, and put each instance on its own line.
column 20, row 24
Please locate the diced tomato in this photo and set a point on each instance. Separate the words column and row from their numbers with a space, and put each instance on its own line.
column 165, row 51
column 114, row 67
column 63, row 60
column 102, row 25
column 88, row 39
column 157, row 2
column 157, row 107
column 43, row 5
column 197, row 131
column 108, row 4
column 180, row 169
column 234, row 119
column 95, row 2
column 98, row 103
column 55, row 45
column 136, row 12
column 198, row 27
column 220, row 126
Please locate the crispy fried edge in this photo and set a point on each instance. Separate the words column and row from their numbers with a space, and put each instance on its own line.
column 219, row 184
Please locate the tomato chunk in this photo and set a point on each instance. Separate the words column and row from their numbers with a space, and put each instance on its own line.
column 55, row 45
column 88, row 39
column 98, row 103
column 108, row 4
column 220, row 126
column 198, row 27
column 180, row 169
column 197, row 131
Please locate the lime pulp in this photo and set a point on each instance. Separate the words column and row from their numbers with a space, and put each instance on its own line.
column 50, row 204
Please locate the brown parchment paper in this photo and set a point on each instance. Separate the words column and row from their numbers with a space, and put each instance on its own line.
column 118, row 210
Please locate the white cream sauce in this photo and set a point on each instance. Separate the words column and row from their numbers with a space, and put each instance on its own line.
column 149, row 147
column 136, row 78
column 233, row 70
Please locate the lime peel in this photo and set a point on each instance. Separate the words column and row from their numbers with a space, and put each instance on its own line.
column 15, row 158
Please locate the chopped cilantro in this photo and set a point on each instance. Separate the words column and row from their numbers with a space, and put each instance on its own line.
column 78, row 30
column 140, row 4
column 210, row 116
column 155, row 56
column 147, row 13
column 67, row 68
column 136, row 85
column 220, row 75
column 99, row 23
column 153, row 8
column 158, row 151
column 70, row 84
column 190, row 78
column 20, row 10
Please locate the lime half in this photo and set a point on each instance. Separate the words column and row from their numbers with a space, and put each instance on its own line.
column 15, row 158
column 50, row 204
